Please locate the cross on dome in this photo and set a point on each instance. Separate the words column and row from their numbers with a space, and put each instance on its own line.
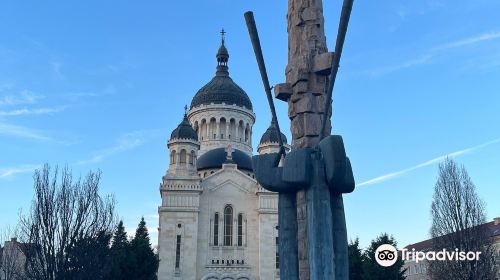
column 223, row 35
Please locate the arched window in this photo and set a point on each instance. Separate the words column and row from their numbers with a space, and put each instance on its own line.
column 216, row 229
column 228, row 225
column 192, row 157
column 247, row 130
column 182, row 158
column 172, row 157
column 240, row 131
column 213, row 128
column 196, row 127
column 203, row 129
column 178, row 252
column 232, row 129
column 240, row 229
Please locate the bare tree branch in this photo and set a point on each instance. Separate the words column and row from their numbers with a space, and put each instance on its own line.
column 64, row 212
column 458, row 218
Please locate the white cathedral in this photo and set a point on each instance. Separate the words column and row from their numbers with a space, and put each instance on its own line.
column 216, row 221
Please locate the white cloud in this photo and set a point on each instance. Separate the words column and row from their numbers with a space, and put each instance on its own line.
column 407, row 64
column 11, row 171
column 25, row 97
column 26, row 111
column 428, row 55
column 21, row 131
column 426, row 163
column 125, row 142
column 469, row 41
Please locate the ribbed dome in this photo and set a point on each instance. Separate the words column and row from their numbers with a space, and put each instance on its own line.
column 184, row 131
column 271, row 135
column 216, row 157
column 222, row 89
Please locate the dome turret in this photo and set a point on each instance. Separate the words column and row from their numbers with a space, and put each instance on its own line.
column 184, row 131
column 271, row 135
column 269, row 142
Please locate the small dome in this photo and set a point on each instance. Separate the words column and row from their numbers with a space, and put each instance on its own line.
column 217, row 157
column 184, row 131
column 271, row 135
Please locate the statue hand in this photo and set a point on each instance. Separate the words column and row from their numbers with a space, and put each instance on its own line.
column 338, row 169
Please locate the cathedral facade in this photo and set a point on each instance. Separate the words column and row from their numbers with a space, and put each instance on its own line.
column 215, row 220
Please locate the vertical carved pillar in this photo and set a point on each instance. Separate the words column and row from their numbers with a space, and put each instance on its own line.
column 306, row 83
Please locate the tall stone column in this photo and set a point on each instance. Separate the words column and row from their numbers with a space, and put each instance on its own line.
column 309, row 63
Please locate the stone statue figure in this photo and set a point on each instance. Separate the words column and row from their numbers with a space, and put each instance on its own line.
column 311, row 178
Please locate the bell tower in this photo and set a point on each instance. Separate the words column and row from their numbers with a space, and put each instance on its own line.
column 180, row 194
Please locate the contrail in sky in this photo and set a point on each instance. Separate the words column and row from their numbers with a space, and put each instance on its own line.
column 427, row 163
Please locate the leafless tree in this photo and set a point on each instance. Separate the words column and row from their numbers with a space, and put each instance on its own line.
column 63, row 213
column 458, row 218
column 12, row 258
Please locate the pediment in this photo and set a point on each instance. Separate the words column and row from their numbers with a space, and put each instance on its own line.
column 229, row 183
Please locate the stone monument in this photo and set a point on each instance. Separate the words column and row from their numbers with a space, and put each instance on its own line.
column 313, row 176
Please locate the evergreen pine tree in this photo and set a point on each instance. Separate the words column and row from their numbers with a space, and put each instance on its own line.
column 89, row 258
column 121, row 263
column 355, row 260
column 372, row 270
column 145, row 260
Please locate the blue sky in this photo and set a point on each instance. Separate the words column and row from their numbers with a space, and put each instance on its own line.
column 100, row 85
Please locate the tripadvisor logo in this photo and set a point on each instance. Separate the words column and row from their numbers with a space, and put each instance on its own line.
column 386, row 255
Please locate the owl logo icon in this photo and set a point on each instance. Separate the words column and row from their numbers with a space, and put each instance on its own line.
column 386, row 255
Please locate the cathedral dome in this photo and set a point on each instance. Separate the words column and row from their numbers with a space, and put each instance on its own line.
column 271, row 135
column 184, row 131
column 217, row 157
column 222, row 89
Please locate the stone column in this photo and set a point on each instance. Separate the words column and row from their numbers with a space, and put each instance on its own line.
column 309, row 63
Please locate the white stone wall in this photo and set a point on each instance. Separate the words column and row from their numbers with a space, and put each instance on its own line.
column 169, row 221
column 267, row 247
column 229, row 186
column 194, row 205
